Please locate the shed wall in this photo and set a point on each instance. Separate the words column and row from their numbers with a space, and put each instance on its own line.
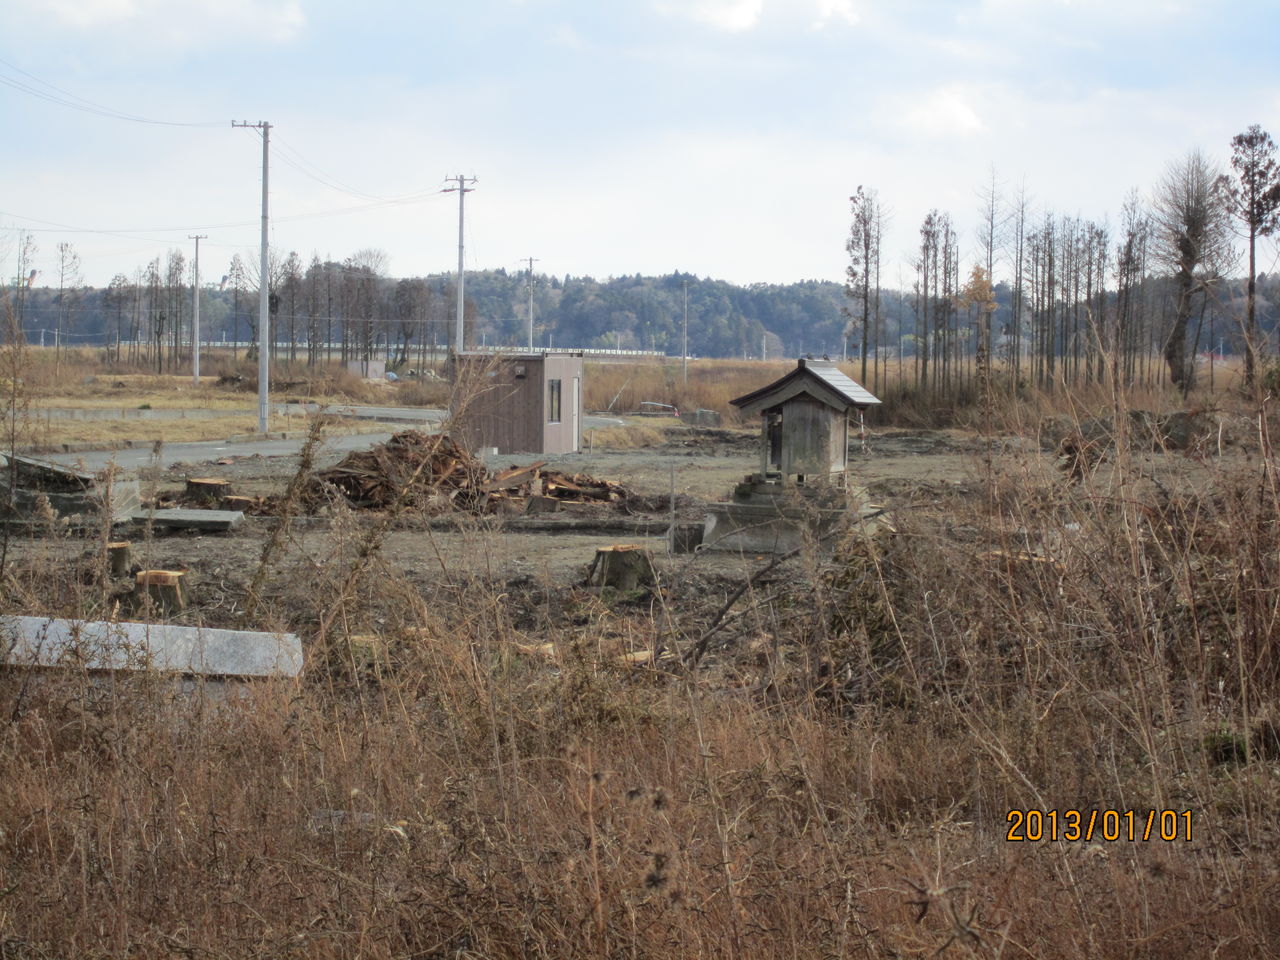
column 565, row 436
column 508, row 406
column 503, row 408
column 808, row 428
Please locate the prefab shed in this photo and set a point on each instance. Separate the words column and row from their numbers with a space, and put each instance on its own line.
column 518, row 403
column 804, row 420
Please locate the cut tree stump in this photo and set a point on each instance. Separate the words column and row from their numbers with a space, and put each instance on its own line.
column 624, row 566
column 208, row 488
column 242, row 504
column 119, row 558
column 163, row 588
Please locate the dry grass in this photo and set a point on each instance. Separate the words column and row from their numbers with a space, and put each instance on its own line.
column 621, row 388
column 833, row 779
column 714, row 383
column 45, row 434
column 629, row 437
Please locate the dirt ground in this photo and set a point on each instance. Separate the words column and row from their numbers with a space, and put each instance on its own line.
column 899, row 469
column 705, row 466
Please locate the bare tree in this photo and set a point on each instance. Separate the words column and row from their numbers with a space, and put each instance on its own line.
column 115, row 300
column 1190, row 221
column 175, row 295
column 991, row 235
column 238, row 281
column 1254, row 199
column 290, row 292
column 863, row 246
column 69, row 280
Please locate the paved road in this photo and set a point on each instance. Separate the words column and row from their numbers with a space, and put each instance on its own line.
column 411, row 414
column 133, row 458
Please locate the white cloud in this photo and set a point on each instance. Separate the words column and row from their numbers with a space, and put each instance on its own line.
column 739, row 16
column 829, row 10
column 732, row 15
column 564, row 35
column 941, row 113
column 188, row 22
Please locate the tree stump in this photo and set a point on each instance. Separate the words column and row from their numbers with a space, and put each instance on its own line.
column 243, row 504
column 163, row 588
column 208, row 488
column 624, row 566
column 119, row 558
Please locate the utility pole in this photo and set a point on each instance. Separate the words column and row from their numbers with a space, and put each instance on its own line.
column 529, row 284
column 264, row 286
column 684, row 349
column 463, row 190
column 195, row 314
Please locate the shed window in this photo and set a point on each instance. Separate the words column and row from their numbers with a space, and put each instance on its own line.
column 553, row 401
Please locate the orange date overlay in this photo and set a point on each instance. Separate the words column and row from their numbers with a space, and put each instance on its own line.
column 1032, row 826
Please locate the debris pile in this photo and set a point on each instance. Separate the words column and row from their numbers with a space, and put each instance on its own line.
column 413, row 469
column 27, row 483
column 436, row 474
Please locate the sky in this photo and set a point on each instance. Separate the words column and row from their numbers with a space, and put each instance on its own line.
column 721, row 138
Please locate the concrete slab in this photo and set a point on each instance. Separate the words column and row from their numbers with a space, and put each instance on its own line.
column 191, row 651
column 214, row 521
column 760, row 528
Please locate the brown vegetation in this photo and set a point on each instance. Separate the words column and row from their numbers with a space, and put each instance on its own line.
column 474, row 770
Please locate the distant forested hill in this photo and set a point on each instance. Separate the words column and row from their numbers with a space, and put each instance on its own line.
column 350, row 303
column 342, row 301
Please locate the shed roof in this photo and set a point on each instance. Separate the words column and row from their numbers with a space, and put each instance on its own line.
column 820, row 379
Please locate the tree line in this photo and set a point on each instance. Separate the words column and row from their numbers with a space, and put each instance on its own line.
column 1151, row 302
column 1040, row 298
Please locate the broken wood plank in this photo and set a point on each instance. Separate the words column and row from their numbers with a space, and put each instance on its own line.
column 513, row 477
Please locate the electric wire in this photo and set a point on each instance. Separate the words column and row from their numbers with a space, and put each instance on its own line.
column 65, row 98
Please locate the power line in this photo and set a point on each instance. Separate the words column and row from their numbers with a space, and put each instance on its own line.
column 295, row 159
column 52, row 226
column 70, row 100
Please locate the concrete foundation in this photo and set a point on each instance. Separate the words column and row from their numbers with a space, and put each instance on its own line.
column 761, row 528
column 766, row 517
column 212, row 521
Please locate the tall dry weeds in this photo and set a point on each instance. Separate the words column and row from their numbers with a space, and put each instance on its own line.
column 834, row 780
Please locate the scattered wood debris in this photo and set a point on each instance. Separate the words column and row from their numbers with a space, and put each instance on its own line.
column 412, row 469
column 435, row 473
column 425, row 472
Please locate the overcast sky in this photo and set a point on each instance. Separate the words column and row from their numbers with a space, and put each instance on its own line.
column 718, row 137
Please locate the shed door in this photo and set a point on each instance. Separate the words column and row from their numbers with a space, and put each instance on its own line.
column 576, row 416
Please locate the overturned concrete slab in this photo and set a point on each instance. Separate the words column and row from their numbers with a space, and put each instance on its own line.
column 190, row 651
column 213, row 521
column 70, row 493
